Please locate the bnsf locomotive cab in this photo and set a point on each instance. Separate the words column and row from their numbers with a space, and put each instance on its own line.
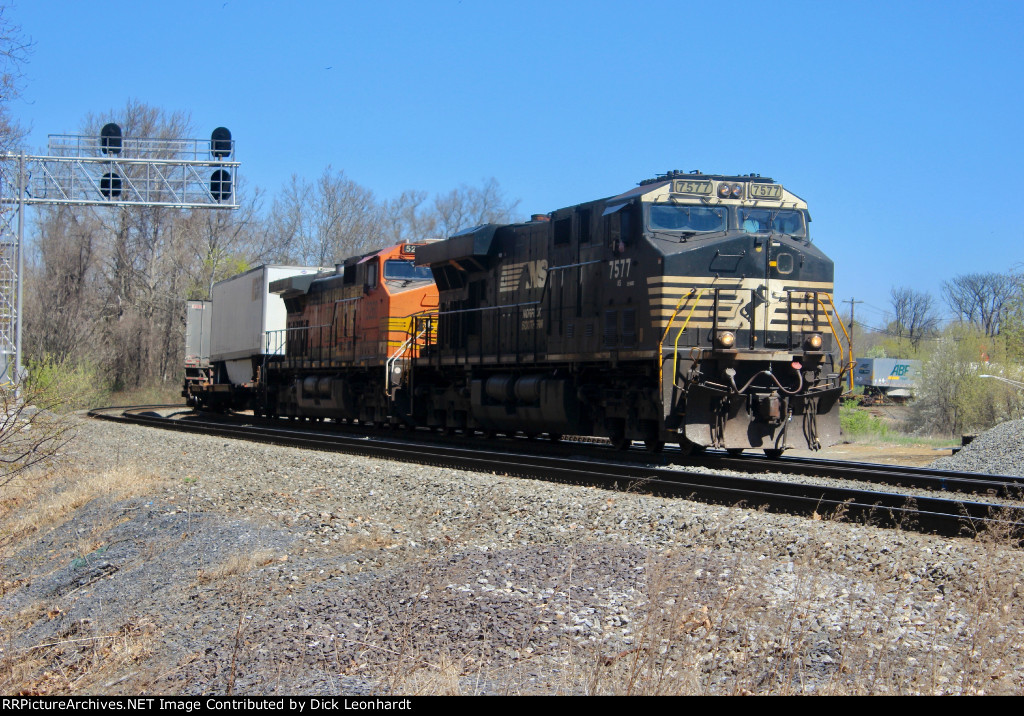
column 347, row 340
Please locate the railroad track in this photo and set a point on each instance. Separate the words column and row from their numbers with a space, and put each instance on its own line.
column 887, row 509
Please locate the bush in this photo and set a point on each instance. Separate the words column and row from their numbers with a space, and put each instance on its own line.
column 952, row 398
column 34, row 422
column 856, row 422
column 62, row 386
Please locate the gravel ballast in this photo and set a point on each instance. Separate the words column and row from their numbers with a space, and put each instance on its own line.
column 999, row 451
column 216, row 566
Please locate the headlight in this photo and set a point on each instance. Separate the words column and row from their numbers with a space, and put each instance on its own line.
column 726, row 340
column 813, row 342
column 730, row 191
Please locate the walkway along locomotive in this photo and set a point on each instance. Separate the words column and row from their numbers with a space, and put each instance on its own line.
column 693, row 308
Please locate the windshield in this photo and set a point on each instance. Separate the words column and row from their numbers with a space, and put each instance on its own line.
column 673, row 217
column 406, row 271
column 777, row 221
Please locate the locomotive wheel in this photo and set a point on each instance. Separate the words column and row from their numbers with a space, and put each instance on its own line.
column 772, row 453
column 621, row 442
column 654, row 445
column 734, row 451
column 686, row 447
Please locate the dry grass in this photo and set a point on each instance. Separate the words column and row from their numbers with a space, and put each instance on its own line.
column 237, row 565
column 81, row 661
column 157, row 394
column 711, row 619
column 42, row 501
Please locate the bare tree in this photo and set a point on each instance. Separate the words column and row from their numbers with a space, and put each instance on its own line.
column 221, row 244
column 914, row 314
column 64, row 284
column 469, row 206
column 14, row 52
column 981, row 298
column 406, row 218
column 318, row 223
column 109, row 282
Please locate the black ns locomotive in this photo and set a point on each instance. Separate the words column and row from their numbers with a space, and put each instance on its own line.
column 693, row 308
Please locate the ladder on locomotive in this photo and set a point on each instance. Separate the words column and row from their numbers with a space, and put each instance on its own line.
column 420, row 329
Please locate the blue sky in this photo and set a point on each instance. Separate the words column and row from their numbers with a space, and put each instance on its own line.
column 898, row 122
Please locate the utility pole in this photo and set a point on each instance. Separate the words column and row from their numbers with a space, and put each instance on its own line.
column 852, row 302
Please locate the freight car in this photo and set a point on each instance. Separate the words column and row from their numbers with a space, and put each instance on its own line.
column 886, row 379
column 226, row 338
column 693, row 308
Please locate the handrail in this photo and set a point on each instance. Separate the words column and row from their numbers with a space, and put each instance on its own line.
column 846, row 366
column 412, row 322
column 389, row 364
column 668, row 327
column 679, row 333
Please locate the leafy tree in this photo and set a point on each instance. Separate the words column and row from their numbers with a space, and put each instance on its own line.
column 1012, row 325
column 952, row 397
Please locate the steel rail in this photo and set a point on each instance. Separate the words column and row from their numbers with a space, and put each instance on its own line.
column 928, row 514
column 1010, row 486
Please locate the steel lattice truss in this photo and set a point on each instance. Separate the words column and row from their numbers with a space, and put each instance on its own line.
column 88, row 170
column 179, row 173
column 8, row 291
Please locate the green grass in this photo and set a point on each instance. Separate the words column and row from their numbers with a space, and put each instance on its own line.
column 157, row 394
column 860, row 424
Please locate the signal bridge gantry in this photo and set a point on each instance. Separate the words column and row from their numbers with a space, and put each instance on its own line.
column 101, row 170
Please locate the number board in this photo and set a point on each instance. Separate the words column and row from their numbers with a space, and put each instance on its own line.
column 691, row 186
column 766, row 191
column 409, row 249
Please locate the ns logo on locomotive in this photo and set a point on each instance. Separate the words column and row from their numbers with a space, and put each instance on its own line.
column 692, row 308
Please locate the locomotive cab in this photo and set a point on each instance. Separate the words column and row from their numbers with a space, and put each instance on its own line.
column 350, row 338
column 746, row 315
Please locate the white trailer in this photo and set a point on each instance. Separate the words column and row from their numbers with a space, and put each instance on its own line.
column 243, row 311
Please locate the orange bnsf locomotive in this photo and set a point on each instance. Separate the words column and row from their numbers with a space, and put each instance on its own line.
column 693, row 308
column 349, row 336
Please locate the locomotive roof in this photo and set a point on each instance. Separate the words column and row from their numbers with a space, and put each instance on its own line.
column 682, row 187
column 297, row 285
column 476, row 241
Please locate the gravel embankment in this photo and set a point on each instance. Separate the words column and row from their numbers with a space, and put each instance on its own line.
column 999, row 451
column 199, row 565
